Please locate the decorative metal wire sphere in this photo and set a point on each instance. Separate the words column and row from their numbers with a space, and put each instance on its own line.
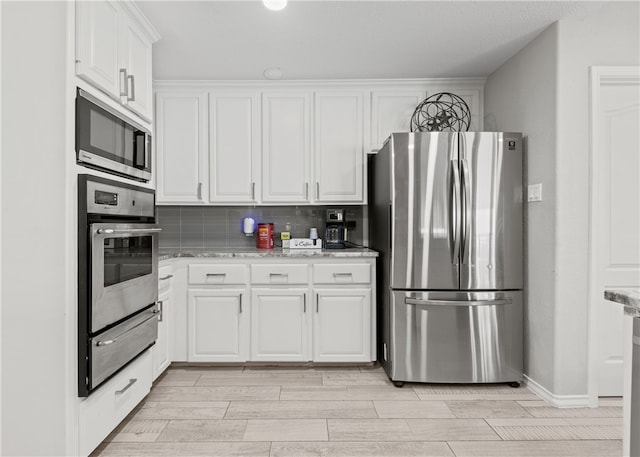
column 441, row 112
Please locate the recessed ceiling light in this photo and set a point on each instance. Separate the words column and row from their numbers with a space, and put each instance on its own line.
column 275, row 5
column 273, row 73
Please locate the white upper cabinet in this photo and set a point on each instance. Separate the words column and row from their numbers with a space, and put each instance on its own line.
column 234, row 150
column 338, row 147
column 181, row 147
column 298, row 143
column 113, row 52
column 136, row 59
column 391, row 112
column 97, row 30
column 286, row 147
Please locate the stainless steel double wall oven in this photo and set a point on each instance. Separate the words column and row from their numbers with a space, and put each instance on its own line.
column 117, row 277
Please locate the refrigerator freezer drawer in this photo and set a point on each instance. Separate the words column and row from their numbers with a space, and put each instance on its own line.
column 456, row 337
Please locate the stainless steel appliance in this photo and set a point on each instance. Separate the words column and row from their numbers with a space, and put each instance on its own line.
column 117, row 277
column 446, row 216
column 334, row 233
column 109, row 141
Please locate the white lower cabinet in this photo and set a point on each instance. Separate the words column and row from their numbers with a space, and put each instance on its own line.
column 218, row 322
column 342, row 325
column 161, row 351
column 279, row 325
column 279, row 309
column 101, row 412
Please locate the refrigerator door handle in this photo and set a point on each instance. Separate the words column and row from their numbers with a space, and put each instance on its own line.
column 466, row 210
column 454, row 212
column 415, row 301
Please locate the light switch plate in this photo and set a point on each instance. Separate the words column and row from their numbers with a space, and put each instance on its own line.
column 534, row 193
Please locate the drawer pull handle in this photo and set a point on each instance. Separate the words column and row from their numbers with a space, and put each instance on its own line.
column 164, row 278
column 132, row 381
column 280, row 276
column 343, row 275
column 216, row 275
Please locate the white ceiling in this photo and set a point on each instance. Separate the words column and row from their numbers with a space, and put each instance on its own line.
column 331, row 39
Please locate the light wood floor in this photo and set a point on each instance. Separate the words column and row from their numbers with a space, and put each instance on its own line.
column 345, row 412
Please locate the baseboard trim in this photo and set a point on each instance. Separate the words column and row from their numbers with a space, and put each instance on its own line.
column 559, row 401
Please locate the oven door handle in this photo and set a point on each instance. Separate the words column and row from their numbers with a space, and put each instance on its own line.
column 109, row 231
column 114, row 340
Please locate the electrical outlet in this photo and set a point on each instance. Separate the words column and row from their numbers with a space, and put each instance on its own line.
column 534, row 193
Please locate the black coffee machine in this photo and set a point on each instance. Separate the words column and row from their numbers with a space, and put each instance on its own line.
column 335, row 231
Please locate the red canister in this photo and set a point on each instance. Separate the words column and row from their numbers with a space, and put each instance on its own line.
column 265, row 235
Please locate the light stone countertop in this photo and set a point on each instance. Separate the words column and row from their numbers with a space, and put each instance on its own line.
column 254, row 253
column 629, row 297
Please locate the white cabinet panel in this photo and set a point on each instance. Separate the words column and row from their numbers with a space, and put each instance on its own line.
column 136, row 58
column 161, row 351
column 286, row 148
column 391, row 112
column 218, row 324
column 234, row 155
column 97, row 31
column 279, row 325
column 279, row 273
column 100, row 413
column 342, row 325
column 181, row 145
column 342, row 273
column 338, row 150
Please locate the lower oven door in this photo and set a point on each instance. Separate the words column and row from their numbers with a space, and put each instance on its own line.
column 124, row 271
column 113, row 349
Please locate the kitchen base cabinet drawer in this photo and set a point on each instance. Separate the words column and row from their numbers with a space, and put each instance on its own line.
column 100, row 413
column 346, row 273
column 274, row 274
column 217, row 274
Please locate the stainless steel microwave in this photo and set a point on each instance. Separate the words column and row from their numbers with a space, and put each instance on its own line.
column 108, row 141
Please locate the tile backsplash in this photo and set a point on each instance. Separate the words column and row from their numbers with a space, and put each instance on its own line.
column 192, row 227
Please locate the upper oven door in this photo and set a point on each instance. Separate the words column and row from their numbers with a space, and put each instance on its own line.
column 107, row 140
column 124, row 267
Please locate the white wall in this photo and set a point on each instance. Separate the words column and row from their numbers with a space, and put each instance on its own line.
column 543, row 91
column 520, row 97
column 34, row 328
column 610, row 37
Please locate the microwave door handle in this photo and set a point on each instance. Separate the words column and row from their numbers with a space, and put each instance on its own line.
column 119, row 231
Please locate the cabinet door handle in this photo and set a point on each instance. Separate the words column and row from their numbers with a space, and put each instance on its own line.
column 132, row 381
column 160, row 304
column 318, row 190
column 317, row 303
column 199, row 191
column 164, row 278
column 133, row 88
column 253, row 191
column 124, row 89
column 241, row 303
column 306, row 191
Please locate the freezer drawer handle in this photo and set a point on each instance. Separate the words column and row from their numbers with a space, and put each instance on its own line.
column 414, row 301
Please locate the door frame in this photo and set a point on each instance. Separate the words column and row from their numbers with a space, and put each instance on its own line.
column 599, row 77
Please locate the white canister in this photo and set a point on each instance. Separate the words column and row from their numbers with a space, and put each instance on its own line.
column 248, row 225
column 313, row 233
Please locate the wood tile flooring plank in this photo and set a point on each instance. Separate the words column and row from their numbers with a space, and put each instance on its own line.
column 398, row 409
column 183, row 410
column 214, row 393
column 360, row 449
column 323, row 409
column 536, row 448
column 315, row 380
column 377, row 393
column 209, row 449
column 203, row 430
column 486, row 408
column 451, row 429
column 286, row 430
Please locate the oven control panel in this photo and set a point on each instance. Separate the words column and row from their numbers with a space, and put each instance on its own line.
column 106, row 198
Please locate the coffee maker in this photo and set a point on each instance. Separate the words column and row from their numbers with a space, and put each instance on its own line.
column 336, row 226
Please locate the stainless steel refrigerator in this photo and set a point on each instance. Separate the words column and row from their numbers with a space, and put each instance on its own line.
column 445, row 213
